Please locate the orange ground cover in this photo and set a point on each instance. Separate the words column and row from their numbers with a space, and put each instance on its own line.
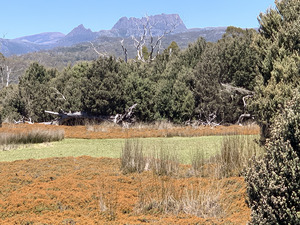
column 99, row 131
column 75, row 190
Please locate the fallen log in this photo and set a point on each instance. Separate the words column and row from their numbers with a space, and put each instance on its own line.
column 64, row 117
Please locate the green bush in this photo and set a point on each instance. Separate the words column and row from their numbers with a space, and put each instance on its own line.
column 274, row 181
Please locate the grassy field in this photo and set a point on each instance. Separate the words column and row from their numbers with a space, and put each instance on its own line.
column 184, row 146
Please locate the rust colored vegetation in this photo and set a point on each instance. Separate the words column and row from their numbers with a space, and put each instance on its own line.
column 88, row 190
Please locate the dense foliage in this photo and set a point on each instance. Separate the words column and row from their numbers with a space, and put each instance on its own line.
column 274, row 181
column 206, row 81
column 177, row 85
column 279, row 66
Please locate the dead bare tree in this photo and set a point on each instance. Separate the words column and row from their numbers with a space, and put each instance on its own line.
column 124, row 50
column 146, row 38
column 245, row 114
column 7, row 68
column 100, row 54
column 121, row 119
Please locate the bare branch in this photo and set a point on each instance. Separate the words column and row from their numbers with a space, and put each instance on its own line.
column 99, row 53
column 124, row 50
column 244, row 99
column 59, row 93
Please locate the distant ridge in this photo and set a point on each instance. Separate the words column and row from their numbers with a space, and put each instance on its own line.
column 46, row 38
column 124, row 28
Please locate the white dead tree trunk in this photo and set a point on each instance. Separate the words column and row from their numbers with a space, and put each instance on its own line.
column 156, row 44
column 147, row 38
column 138, row 44
column 59, row 93
column 100, row 54
column 124, row 50
column 245, row 114
column 8, row 72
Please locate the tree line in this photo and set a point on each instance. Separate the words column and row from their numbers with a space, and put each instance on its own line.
column 178, row 85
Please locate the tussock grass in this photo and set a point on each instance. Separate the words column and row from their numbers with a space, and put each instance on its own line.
column 165, row 162
column 233, row 157
column 30, row 137
column 193, row 199
column 162, row 162
column 132, row 157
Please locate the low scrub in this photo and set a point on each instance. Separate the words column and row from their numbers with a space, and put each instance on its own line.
column 32, row 136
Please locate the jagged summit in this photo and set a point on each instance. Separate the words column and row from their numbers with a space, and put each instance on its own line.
column 77, row 35
column 79, row 30
column 160, row 23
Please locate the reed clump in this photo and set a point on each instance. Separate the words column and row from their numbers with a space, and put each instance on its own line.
column 31, row 137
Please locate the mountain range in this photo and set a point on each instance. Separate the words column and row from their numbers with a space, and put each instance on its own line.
column 124, row 28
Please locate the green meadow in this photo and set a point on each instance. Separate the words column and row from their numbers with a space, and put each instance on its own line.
column 184, row 147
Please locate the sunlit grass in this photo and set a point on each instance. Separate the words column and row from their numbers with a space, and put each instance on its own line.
column 112, row 148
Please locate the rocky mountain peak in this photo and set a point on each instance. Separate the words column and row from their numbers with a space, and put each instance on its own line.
column 160, row 23
column 79, row 30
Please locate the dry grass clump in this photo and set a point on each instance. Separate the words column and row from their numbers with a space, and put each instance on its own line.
column 235, row 154
column 132, row 157
column 165, row 163
column 31, row 136
column 167, row 198
column 162, row 162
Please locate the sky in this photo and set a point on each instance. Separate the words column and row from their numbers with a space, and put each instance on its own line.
column 27, row 17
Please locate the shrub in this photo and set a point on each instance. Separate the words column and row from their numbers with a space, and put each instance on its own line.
column 274, row 181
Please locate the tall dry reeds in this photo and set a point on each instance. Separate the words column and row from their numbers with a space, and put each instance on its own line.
column 236, row 152
column 133, row 159
column 31, row 136
column 168, row 198
column 165, row 162
column 233, row 158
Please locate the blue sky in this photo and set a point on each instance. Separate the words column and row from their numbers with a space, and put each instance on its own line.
column 26, row 17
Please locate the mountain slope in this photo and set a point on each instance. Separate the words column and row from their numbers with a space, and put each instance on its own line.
column 77, row 35
column 46, row 38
